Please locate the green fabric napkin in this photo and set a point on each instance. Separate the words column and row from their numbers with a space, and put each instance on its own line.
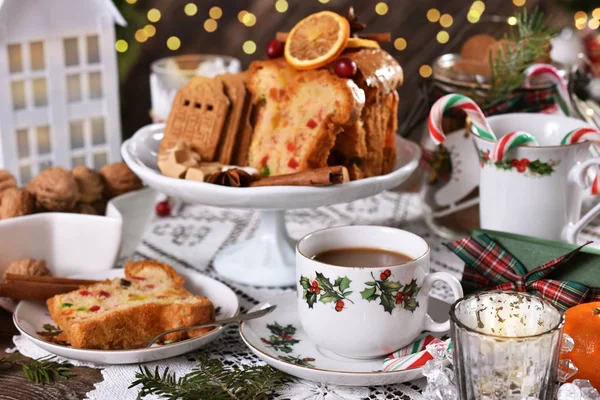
column 533, row 252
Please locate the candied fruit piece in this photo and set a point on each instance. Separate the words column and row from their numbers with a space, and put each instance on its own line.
column 94, row 308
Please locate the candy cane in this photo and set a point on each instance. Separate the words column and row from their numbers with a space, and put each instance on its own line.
column 584, row 135
column 581, row 135
column 552, row 74
column 479, row 123
column 509, row 142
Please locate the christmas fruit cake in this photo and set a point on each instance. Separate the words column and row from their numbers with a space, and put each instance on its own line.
column 126, row 312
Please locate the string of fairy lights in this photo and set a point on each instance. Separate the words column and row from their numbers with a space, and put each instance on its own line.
column 248, row 19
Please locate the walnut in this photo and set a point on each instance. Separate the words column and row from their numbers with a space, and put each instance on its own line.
column 85, row 208
column 6, row 180
column 119, row 179
column 89, row 182
column 27, row 266
column 16, row 203
column 55, row 189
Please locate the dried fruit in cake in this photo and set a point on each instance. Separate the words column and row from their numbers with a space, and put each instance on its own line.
column 582, row 323
column 55, row 189
column 89, row 182
column 126, row 312
column 16, row 202
column 27, row 266
column 7, row 180
column 119, row 179
column 354, row 43
column 317, row 40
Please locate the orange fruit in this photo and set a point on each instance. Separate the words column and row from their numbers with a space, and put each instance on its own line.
column 582, row 323
column 316, row 40
column 357, row 42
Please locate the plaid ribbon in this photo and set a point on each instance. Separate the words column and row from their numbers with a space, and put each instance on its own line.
column 490, row 266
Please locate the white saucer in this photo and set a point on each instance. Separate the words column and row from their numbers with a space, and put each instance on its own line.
column 30, row 317
column 297, row 355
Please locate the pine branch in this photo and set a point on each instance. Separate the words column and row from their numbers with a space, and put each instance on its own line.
column 520, row 50
column 210, row 380
column 41, row 370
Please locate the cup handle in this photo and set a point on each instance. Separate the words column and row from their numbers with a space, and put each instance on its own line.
column 579, row 176
column 430, row 325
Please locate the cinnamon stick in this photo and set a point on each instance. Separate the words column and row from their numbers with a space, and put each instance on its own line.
column 312, row 177
column 34, row 291
column 18, row 278
column 378, row 37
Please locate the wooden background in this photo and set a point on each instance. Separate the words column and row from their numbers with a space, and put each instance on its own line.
column 405, row 18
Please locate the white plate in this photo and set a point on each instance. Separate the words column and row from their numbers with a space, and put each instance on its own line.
column 307, row 361
column 30, row 317
column 141, row 150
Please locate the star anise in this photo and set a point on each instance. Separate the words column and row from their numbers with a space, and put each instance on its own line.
column 355, row 26
column 232, row 177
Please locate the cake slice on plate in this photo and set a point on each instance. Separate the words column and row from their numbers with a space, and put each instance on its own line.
column 126, row 312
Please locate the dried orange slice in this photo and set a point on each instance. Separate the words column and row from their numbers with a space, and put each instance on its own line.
column 357, row 42
column 317, row 40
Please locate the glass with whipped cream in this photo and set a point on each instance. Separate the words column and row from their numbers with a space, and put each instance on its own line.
column 170, row 74
column 506, row 346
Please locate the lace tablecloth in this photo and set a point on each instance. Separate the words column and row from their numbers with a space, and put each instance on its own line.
column 189, row 239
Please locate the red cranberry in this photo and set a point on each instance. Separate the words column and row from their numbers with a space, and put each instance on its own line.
column 163, row 209
column 94, row 308
column 387, row 272
column 274, row 49
column 345, row 68
column 383, row 276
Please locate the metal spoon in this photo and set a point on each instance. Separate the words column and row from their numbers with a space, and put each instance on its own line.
column 238, row 318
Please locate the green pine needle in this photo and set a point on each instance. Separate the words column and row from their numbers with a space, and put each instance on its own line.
column 210, row 380
column 41, row 370
column 528, row 44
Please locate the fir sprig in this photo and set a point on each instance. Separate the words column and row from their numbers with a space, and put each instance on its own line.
column 521, row 49
column 40, row 370
column 210, row 380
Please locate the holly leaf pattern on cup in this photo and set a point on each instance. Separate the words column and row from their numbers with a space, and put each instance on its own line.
column 391, row 293
column 321, row 289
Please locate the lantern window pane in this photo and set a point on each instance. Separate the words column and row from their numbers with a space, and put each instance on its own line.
column 71, row 52
column 36, row 52
column 45, row 164
column 100, row 160
column 98, row 135
column 93, row 50
column 25, row 173
column 43, row 139
column 95, row 82
column 22, row 143
column 18, row 94
column 40, row 95
column 79, row 160
column 73, row 88
column 15, row 58
column 76, row 134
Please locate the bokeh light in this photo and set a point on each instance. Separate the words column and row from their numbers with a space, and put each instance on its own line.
column 400, row 44
column 381, row 8
column 519, row 3
column 241, row 15
column 478, row 6
column 596, row 13
column 512, row 20
column 443, row 37
column 210, row 25
column 593, row 24
column 249, row 47
column 121, row 46
column 323, row 1
column 281, row 6
column 425, row 71
column 446, row 20
column 173, row 43
column 249, row 19
column 433, row 15
column 141, row 36
column 131, row 1
column 473, row 16
column 153, row 15
column 190, row 9
column 150, row 30
column 215, row 12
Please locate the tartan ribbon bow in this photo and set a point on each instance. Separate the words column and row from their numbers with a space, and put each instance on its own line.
column 490, row 266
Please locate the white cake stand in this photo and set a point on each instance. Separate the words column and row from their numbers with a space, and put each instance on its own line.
column 267, row 259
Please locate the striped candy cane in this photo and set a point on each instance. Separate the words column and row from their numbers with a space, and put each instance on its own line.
column 585, row 135
column 552, row 74
column 509, row 142
column 479, row 123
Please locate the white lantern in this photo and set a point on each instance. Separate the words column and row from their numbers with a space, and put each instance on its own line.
column 59, row 85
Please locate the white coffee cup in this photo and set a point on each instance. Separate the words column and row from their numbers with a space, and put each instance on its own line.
column 355, row 312
column 539, row 190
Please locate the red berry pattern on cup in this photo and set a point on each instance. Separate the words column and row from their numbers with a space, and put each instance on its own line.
column 392, row 294
column 323, row 290
column 524, row 166
column 282, row 339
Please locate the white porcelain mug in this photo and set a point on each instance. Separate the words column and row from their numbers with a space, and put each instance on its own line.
column 537, row 190
column 366, row 312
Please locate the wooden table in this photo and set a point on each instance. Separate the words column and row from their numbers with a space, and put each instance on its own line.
column 13, row 384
